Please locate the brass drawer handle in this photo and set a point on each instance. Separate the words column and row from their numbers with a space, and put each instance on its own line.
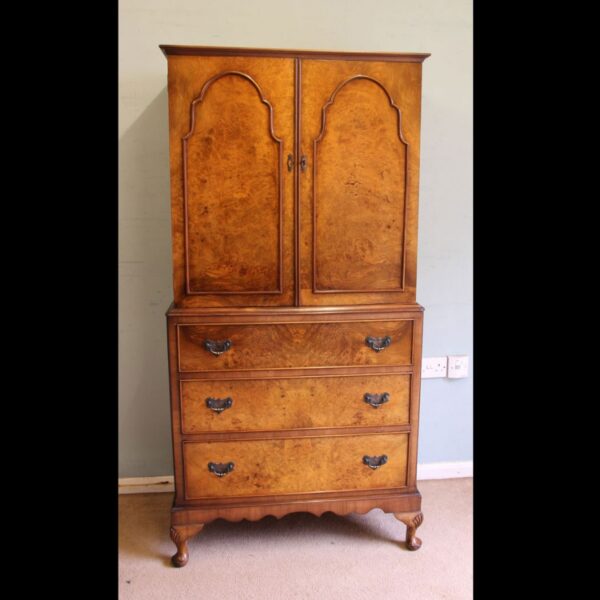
column 378, row 343
column 219, row 404
column 376, row 400
column 290, row 162
column 374, row 462
column 303, row 163
column 216, row 347
column 220, row 469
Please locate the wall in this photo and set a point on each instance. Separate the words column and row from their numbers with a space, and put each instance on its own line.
column 442, row 27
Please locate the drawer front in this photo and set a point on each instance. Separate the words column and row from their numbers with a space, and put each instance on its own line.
column 289, row 345
column 294, row 465
column 219, row 405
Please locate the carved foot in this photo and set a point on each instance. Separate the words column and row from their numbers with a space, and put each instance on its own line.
column 180, row 534
column 412, row 521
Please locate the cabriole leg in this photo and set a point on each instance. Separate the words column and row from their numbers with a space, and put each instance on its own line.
column 412, row 521
column 180, row 534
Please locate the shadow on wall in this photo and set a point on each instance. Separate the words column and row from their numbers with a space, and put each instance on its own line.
column 145, row 292
column 144, row 162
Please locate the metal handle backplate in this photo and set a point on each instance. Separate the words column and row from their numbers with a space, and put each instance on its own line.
column 220, row 469
column 216, row 347
column 376, row 400
column 219, row 404
column 378, row 343
column 374, row 462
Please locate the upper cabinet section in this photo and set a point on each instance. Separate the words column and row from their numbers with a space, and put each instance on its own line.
column 231, row 127
column 294, row 177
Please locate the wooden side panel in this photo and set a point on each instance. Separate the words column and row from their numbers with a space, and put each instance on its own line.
column 415, row 397
column 175, row 402
column 231, row 127
column 360, row 133
column 294, row 465
column 289, row 345
column 294, row 403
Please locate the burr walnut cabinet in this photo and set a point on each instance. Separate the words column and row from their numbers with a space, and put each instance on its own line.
column 294, row 336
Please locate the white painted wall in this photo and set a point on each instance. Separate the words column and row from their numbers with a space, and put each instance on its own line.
column 442, row 27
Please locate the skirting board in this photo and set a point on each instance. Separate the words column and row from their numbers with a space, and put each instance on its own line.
column 445, row 470
column 440, row 470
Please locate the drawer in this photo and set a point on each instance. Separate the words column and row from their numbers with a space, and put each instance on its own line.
column 289, row 345
column 219, row 405
column 294, row 465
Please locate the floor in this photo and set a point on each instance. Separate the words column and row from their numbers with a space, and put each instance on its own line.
column 302, row 556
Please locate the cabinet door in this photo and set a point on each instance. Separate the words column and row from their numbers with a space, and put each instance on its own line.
column 231, row 129
column 359, row 190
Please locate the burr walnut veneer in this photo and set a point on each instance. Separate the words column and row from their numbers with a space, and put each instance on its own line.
column 294, row 335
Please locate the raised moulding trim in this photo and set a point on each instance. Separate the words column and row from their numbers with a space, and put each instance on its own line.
column 185, row 139
column 316, row 141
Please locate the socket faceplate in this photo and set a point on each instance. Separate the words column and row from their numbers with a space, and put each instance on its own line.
column 436, row 366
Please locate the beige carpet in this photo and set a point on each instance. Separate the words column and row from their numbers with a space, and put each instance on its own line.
column 302, row 556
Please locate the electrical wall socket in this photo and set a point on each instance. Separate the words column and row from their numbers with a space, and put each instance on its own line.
column 436, row 366
column 458, row 366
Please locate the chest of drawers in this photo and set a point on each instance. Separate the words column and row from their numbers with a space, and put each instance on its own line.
column 294, row 336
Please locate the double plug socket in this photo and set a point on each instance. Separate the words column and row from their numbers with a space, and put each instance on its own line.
column 453, row 367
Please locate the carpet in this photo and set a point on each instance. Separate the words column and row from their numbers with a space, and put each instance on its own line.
column 356, row 557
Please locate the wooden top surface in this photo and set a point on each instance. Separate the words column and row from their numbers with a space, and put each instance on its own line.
column 170, row 50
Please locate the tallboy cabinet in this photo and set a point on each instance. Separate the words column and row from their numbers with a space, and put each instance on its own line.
column 294, row 335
